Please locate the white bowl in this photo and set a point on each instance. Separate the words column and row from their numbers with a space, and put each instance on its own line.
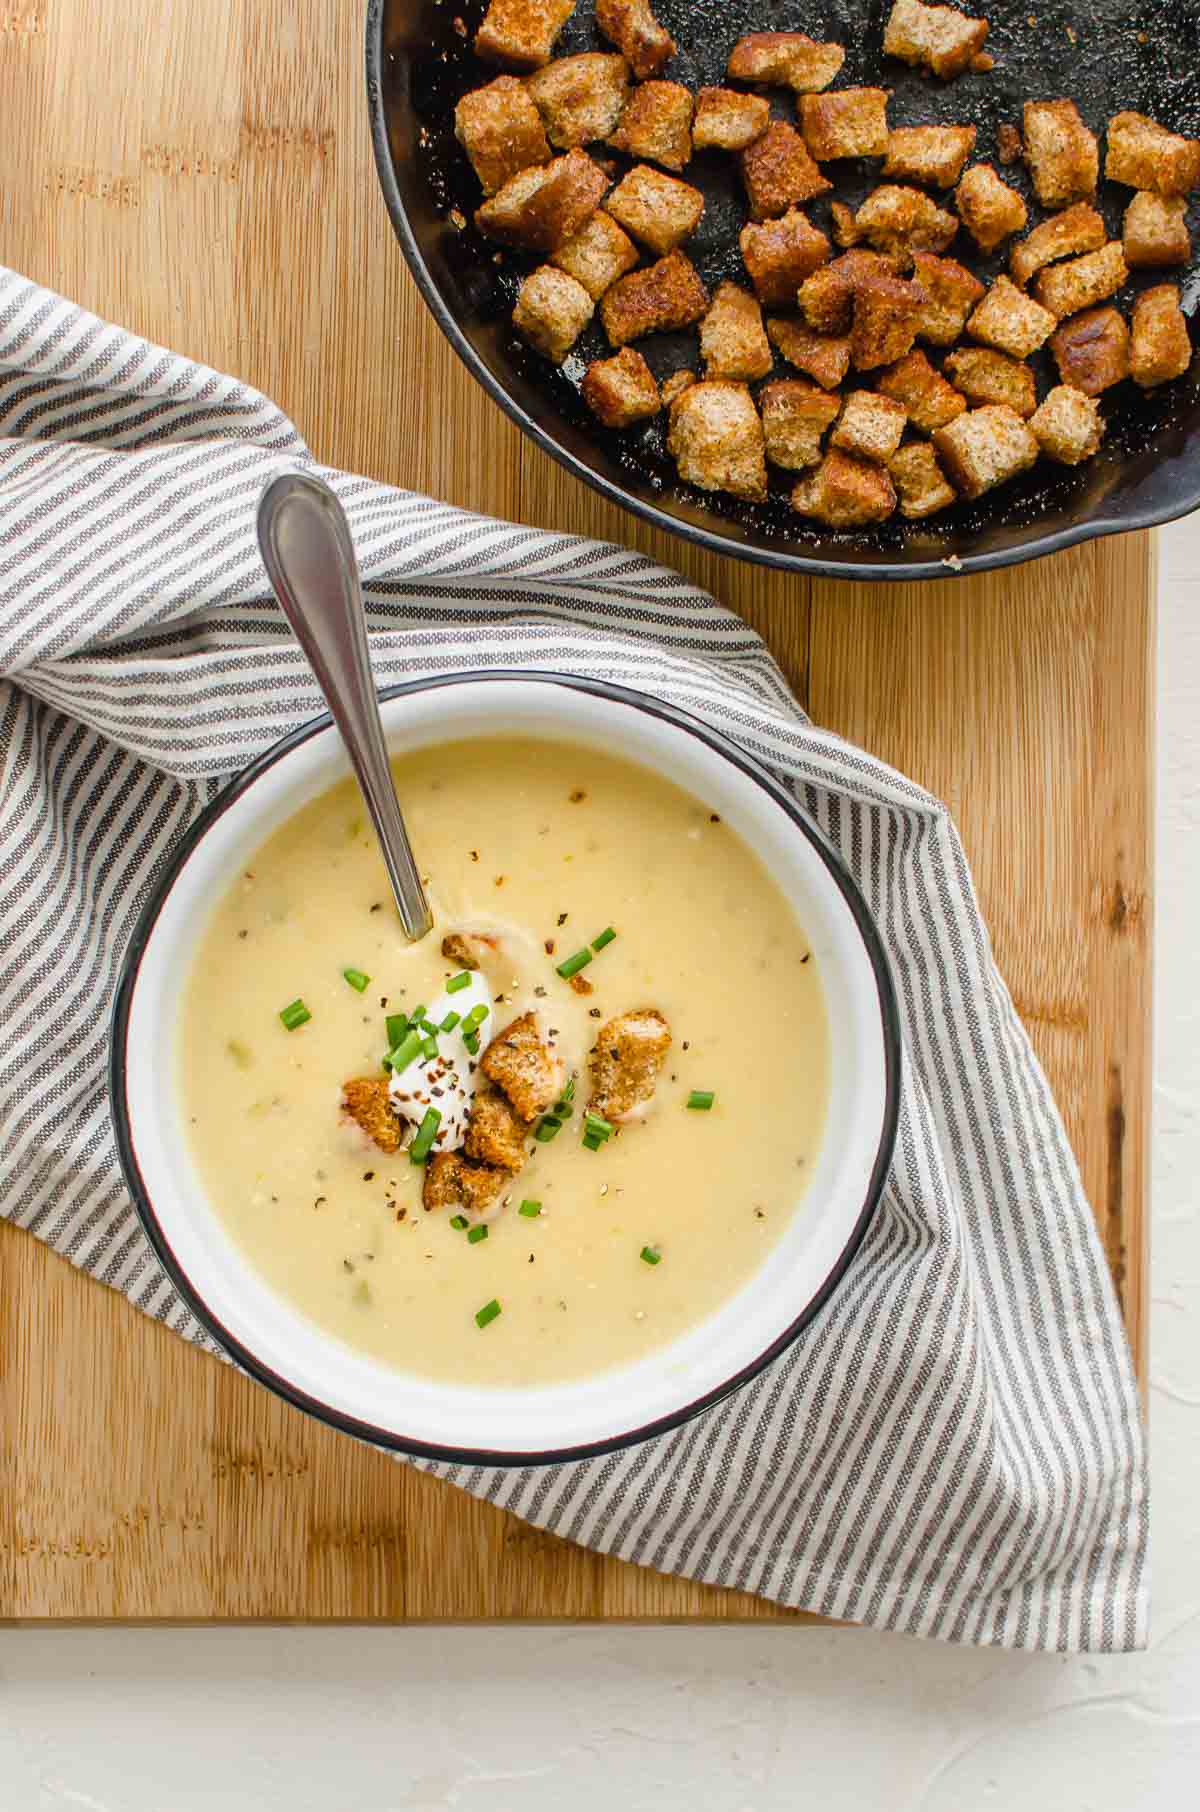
column 508, row 1426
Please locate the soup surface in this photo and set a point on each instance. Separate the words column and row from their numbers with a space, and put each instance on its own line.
column 541, row 846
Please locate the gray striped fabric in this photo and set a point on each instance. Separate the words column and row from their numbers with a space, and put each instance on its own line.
column 953, row 1448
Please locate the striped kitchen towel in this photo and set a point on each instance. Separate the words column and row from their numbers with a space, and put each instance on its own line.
column 953, row 1448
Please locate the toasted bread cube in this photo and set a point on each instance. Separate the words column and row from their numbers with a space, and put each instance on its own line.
column 552, row 311
column 920, row 482
column 850, row 123
column 984, row 448
column 871, row 426
column 894, row 219
column 1146, row 156
column 1077, row 229
column 521, row 32
column 1011, row 321
column 523, row 1063
column 845, row 227
column 1063, row 156
column 1068, row 426
column 540, row 209
column 1155, row 231
column 621, row 390
column 886, row 312
column 826, row 300
column 1161, row 348
column 496, row 1133
column 1092, row 350
column 674, row 386
column 778, row 171
column 728, row 121
column 786, row 58
column 658, row 299
column 632, row 27
column 825, row 357
column 367, row 1101
column 625, row 1063
column 932, row 154
column 580, row 98
column 933, row 37
column 985, row 376
column 733, row 342
column 597, row 255
column 659, row 210
column 795, row 415
column 988, row 208
column 501, row 132
column 781, row 254
column 657, row 124
column 1080, row 283
column 845, row 492
column 717, row 440
column 455, row 1183
column 929, row 399
column 951, row 293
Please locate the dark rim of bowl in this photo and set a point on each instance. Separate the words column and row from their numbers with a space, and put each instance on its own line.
column 788, row 559
column 156, row 1233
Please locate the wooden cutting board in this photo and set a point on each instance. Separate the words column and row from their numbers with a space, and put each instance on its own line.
column 200, row 170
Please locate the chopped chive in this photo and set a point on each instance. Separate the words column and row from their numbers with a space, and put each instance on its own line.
column 597, row 1125
column 702, row 1098
column 458, row 981
column 475, row 1018
column 574, row 964
column 422, row 1145
column 475, row 1235
column 487, row 1313
column 471, row 1040
column 548, row 1127
column 294, row 1015
column 405, row 1051
column 568, row 1095
column 651, row 1254
column 451, row 1020
column 397, row 1026
column 530, row 1210
column 606, row 937
column 417, row 1015
column 429, row 1046
column 358, row 981
column 591, row 1142
column 459, row 1222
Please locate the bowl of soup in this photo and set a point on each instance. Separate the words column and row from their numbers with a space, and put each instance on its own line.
column 571, row 1168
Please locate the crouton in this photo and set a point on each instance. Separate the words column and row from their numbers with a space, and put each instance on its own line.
column 1146, row 156
column 539, row 209
column 1008, row 144
column 1155, row 231
column 795, row 415
column 871, row 426
column 1063, row 156
column 621, row 390
column 1092, row 350
column 951, row 293
column 728, row 121
column 366, row 1101
column 597, row 254
column 933, row 37
column 457, row 949
column 929, row 399
column 894, row 219
column 632, row 27
column 625, row 1062
column 778, row 171
column 521, row 32
column 658, row 299
column 845, row 492
column 845, row 229
column 501, row 132
column 733, row 343
column 657, row 124
column 496, row 1134
column 552, row 311
column 1068, row 426
column 456, row 1184
column 1010, row 320
column 717, row 440
column 524, row 1066
column 988, row 208
column 580, row 98
column 920, row 482
column 984, row 448
column 826, row 299
column 781, row 254
column 1077, row 229
column 659, row 210
column 1080, row 283
column 1161, row 348
column 825, row 357
column 850, row 123
column 674, row 386
column 886, row 312
column 786, row 58
column 932, row 154
column 985, row 376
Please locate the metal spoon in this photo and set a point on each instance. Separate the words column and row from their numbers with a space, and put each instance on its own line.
column 309, row 557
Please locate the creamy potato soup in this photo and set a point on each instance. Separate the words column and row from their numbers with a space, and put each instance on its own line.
column 638, row 1131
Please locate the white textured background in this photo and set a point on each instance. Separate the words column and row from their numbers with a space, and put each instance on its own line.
column 715, row 1720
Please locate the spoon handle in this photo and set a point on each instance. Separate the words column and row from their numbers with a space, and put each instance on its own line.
column 309, row 557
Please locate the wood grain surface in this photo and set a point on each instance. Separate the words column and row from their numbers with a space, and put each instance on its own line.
column 201, row 170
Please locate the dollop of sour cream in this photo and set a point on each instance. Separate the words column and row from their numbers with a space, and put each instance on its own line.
column 448, row 1080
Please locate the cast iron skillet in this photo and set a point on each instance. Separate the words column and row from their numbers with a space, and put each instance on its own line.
column 1105, row 54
